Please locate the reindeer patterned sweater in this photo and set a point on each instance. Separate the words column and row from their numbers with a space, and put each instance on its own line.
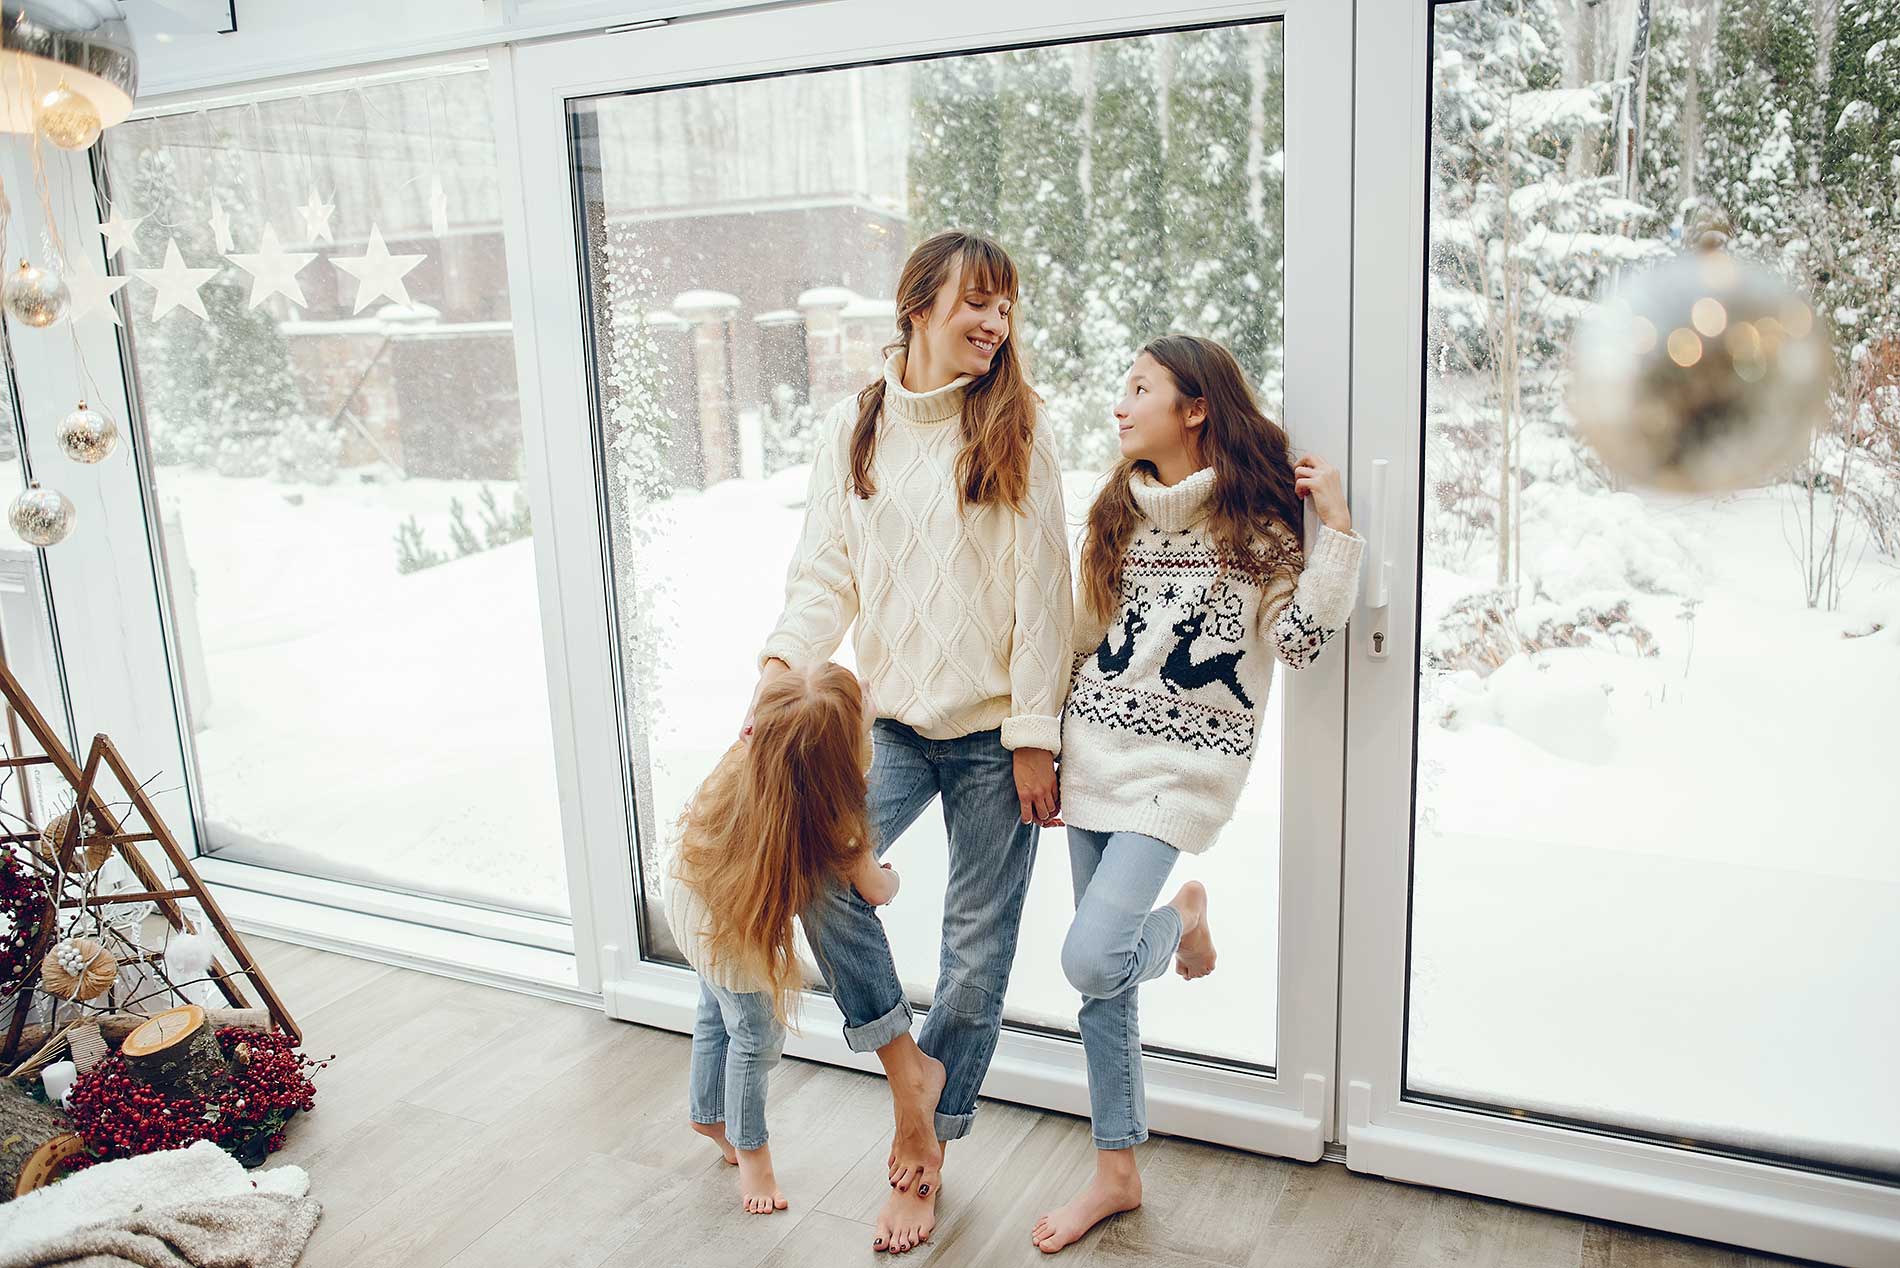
column 1165, row 700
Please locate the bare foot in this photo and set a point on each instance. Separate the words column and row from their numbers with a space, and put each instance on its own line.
column 1195, row 956
column 906, row 1221
column 758, row 1187
column 1103, row 1196
column 916, row 1153
column 716, row 1132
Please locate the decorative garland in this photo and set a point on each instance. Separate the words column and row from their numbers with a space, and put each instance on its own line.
column 22, row 906
column 120, row 1117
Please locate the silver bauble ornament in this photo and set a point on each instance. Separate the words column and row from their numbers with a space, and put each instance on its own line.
column 68, row 119
column 1705, row 375
column 36, row 296
column 87, row 435
column 41, row 517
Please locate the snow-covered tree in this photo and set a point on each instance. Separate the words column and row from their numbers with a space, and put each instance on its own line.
column 1527, row 224
column 1661, row 179
column 1759, row 109
column 955, row 146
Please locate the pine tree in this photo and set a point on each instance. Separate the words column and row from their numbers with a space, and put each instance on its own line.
column 1862, row 113
column 1659, row 171
column 1124, row 300
column 173, row 354
column 1041, row 218
column 1760, row 109
column 1216, row 261
column 1270, row 70
column 955, row 149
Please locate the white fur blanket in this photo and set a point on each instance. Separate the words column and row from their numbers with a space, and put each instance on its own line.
column 115, row 1212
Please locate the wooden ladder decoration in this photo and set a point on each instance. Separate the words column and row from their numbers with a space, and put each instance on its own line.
column 87, row 802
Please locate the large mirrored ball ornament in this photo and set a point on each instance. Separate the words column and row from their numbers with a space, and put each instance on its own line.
column 87, row 435
column 68, row 119
column 1704, row 375
column 41, row 517
column 35, row 296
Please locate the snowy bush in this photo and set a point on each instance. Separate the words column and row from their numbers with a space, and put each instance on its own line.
column 1580, row 543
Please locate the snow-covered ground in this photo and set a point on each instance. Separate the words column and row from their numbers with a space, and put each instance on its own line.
column 1659, row 891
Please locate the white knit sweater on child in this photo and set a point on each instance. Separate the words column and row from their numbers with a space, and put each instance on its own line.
column 1166, row 698
column 962, row 617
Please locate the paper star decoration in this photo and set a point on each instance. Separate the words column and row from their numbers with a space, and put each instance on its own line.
column 377, row 272
column 177, row 285
column 316, row 218
column 118, row 231
column 221, row 228
column 273, row 270
column 92, row 292
column 438, row 208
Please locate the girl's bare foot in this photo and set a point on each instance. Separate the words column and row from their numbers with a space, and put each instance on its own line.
column 1115, row 1187
column 916, row 1159
column 716, row 1132
column 1195, row 956
column 758, row 1187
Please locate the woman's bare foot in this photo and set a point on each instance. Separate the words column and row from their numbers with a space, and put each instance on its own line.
column 1115, row 1187
column 1195, row 956
column 716, row 1132
column 758, row 1187
column 916, row 1153
column 906, row 1221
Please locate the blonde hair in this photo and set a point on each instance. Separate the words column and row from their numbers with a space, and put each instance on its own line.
column 782, row 816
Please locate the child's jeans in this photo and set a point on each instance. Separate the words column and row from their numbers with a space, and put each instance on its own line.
column 1119, row 940
column 736, row 1042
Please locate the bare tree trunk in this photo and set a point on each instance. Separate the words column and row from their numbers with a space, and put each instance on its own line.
column 1700, row 34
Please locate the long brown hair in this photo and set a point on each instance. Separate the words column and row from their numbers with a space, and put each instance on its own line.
column 1254, row 511
column 999, row 409
column 782, row 816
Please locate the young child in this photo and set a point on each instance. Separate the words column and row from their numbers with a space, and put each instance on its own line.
column 1193, row 582
column 780, row 816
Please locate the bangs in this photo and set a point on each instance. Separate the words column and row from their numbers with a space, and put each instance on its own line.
column 988, row 268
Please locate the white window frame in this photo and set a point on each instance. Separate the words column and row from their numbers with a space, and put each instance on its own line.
column 1289, row 1113
column 1724, row 1199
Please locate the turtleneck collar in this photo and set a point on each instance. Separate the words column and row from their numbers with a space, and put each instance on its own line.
column 1173, row 508
column 929, row 408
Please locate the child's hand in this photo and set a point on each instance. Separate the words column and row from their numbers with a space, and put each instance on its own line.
column 1316, row 478
column 876, row 885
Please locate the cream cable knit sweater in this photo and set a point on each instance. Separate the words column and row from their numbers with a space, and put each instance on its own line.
column 962, row 620
column 1158, row 733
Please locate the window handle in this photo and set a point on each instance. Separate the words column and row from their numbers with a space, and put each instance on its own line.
column 1379, row 567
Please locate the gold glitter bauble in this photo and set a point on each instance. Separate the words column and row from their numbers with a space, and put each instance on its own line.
column 68, row 119
column 41, row 517
column 87, row 435
column 36, row 296
column 1705, row 375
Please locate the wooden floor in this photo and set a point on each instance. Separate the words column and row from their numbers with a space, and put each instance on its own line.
column 465, row 1126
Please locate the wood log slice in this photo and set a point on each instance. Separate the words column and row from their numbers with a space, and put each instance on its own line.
column 116, row 1026
column 177, row 1051
column 34, row 1139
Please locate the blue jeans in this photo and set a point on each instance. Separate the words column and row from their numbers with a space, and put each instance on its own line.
column 736, row 1042
column 1119, row 940
column 991, row 852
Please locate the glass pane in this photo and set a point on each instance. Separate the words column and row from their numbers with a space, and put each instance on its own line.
column 338, row 464
column 744, row 243
column 1654, row 882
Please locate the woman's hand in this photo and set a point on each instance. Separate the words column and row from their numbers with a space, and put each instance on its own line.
column 1036, row 787
column 1316, row 478
column 772, row 669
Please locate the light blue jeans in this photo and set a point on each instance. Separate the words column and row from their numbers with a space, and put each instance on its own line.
column 991, row 853
column 736, row 1042
column 1119, row 940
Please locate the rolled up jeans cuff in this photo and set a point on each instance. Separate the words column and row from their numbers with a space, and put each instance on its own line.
column 873, row 1035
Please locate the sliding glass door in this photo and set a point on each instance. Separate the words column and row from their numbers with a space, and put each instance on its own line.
column 732, row 228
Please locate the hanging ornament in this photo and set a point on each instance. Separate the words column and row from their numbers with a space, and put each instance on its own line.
column 41, row 517
column 438, row 208
column 221, row 227
column 177, row 285
column 118, row 231
column 38, row 297
column 68, row 119
column 92, row 292
column 78, row 968
column 316, row 218
column 87, row 435
column 1706, row 375
column 273, row 270
column 377, row 272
